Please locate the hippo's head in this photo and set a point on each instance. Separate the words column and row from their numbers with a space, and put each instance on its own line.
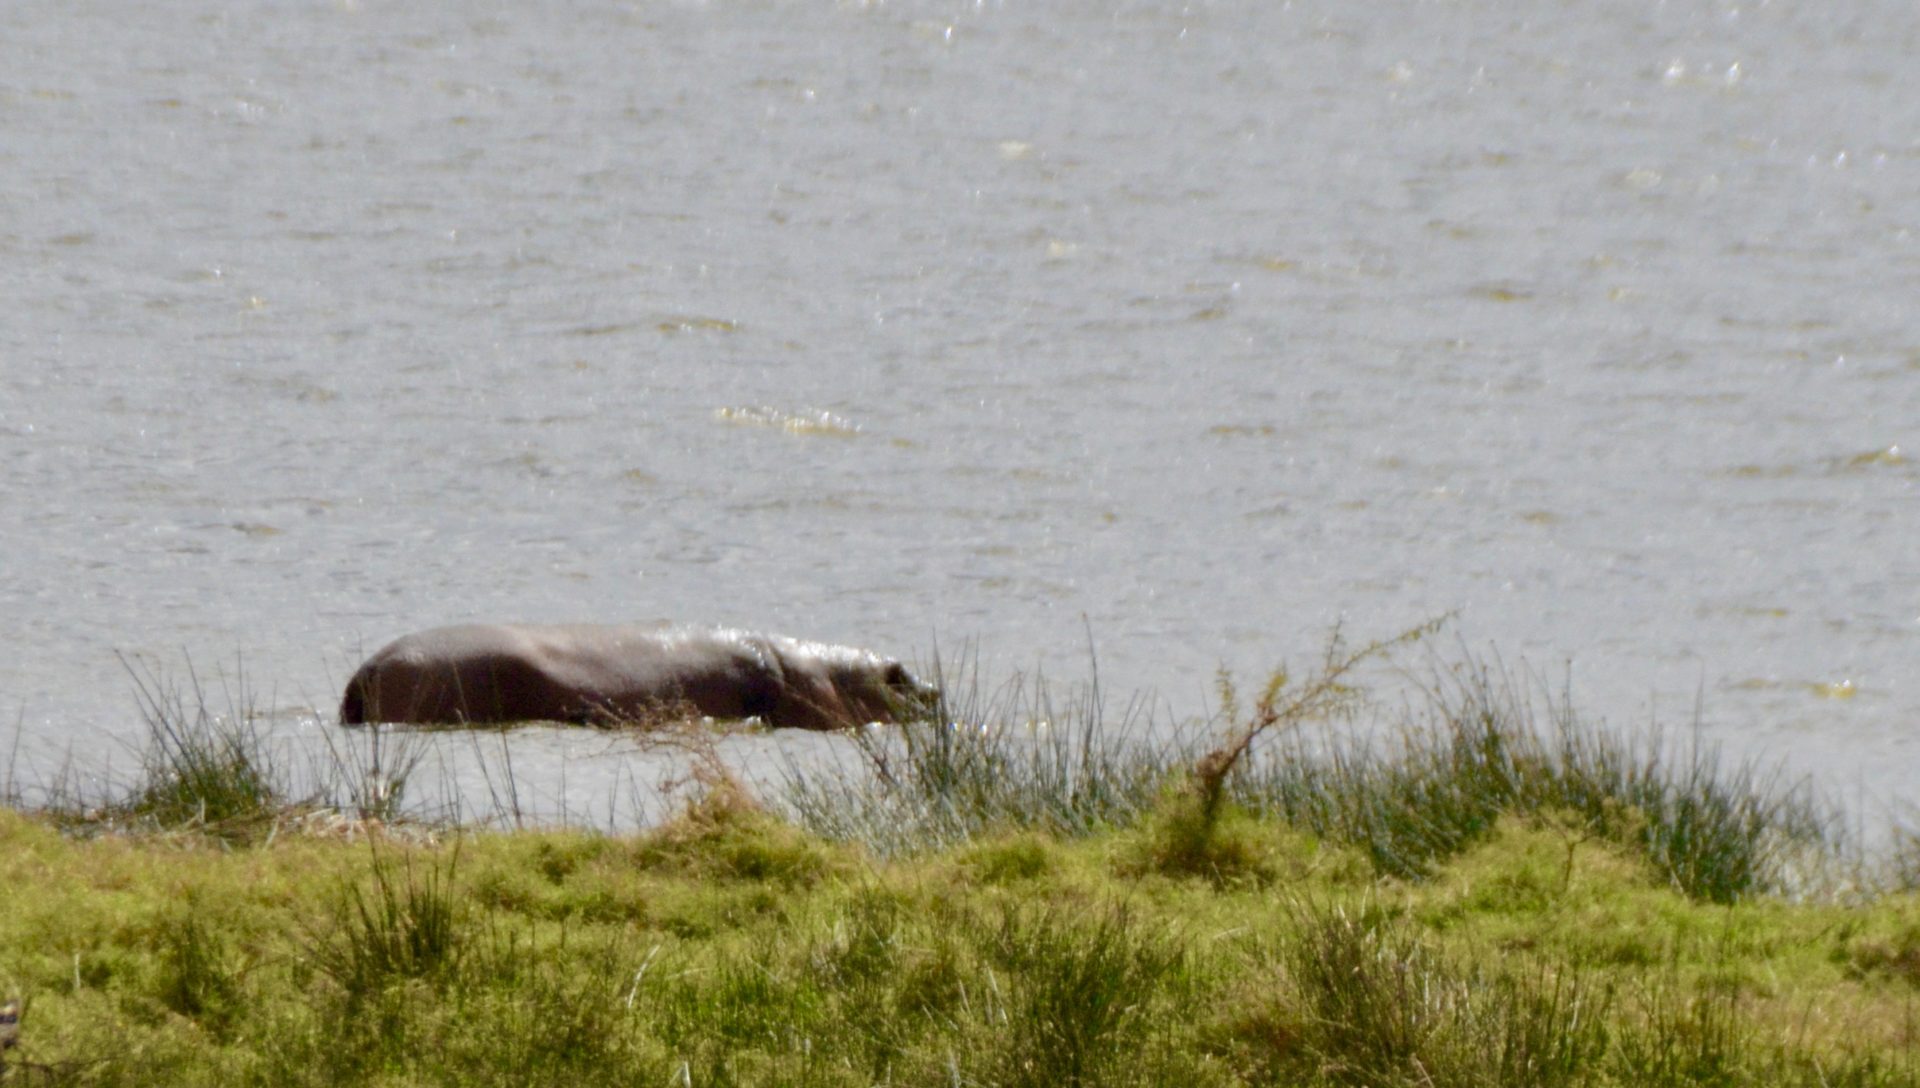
column 880, row 689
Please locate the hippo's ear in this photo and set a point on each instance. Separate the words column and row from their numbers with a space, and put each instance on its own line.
column 908, row 694
column 906, row 685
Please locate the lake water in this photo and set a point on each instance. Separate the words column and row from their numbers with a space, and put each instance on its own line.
column 1203, row 327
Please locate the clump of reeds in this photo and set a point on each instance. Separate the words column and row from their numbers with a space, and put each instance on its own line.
column 1475, row 747
column 200, row 769
column 1476, row 750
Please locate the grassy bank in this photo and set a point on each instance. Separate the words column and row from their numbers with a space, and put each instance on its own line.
column 1488, row 892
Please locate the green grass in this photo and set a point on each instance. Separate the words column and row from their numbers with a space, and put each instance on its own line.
column 1485, row 890
column 730, row 948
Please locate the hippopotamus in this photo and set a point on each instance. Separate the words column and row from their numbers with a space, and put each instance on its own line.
column 475, row 673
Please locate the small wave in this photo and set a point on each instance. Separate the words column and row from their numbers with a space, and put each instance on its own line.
column 809, row 423
column 681, row 323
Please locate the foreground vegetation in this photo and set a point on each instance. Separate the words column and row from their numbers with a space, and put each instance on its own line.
column 1490, row 894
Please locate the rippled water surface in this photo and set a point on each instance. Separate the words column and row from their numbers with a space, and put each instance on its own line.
column 1200, row 326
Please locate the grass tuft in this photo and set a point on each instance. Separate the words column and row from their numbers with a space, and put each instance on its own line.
column 197, row 979
column 1185, row 836
column 1691, row 1039
column 200, row 769
column 723, row 833
column 1086, row 983
column 406, row 922
column 1372, row 1004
